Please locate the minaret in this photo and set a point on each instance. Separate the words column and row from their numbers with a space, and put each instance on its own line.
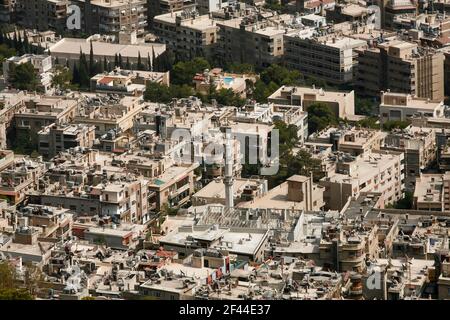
column 228, row 179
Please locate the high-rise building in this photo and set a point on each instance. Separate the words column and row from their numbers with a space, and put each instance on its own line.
column 329, row 58
column 401, row 67
column 186, row 32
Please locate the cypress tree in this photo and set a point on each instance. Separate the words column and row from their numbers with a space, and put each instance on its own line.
column 105, row 64
column 91, row 62
column 84, row 71
column 154, row 61
column 26, row 43
column 140, row 66
column 116, row 61
column 75, row 74
column 128, row 65
column 120, row 61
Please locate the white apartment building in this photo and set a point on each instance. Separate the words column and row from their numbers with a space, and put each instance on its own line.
column 379, row 171
column 402, row 106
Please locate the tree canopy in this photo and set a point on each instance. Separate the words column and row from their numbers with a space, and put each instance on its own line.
column 320, row 116
column 23, row 76
column 184, row 71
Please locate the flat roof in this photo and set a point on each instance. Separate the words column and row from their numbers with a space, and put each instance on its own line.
column 73, row 46
column 216, row 188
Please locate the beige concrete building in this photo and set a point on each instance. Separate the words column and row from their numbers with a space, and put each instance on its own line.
column 19, row 177
column 250, row 41
column 42, row 14
column 127, row 82
column 354, row 141
column 378, row 171
column 110, row 115
column 340, row 102
column 402, row 106
column 444, row 281
column 39, row 111
column 113, row 16
column 419, row 146
column 243, row 189
column 186, row 32
column 174, row 186
column 55, row 138
column 401, row 66
column 330, row 58
column 68, row 49
column 429, row 192
column 297, row 192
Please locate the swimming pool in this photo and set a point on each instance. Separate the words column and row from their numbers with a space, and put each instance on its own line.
column 228, row 80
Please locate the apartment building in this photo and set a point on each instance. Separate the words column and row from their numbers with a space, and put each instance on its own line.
column 297, row 192
column 39, row 111
column 10, row 103
column 330, row 58
column 250, row 40
column 403, row 67
column 55, row 138
column 353, row 141
column 7, row 11
column 419, row 146
column 342, row 103
column 158, row 7
column 430, row 28
column 378, row 171
column 20, row 177
column 186, row 32
column 42, row 65
column 347, row 12
column 402, row 107
column 113, row 16
column 124, row 200
column 446, row 182
column 174, row 186
column 393, row 9
column 127, row 82
column 250, row 248
column 109, row 114
column 446, row 71
column 245, row 190
column 429, row 192
column 42, row 14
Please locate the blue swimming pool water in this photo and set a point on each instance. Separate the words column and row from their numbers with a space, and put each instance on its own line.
column 228, row 80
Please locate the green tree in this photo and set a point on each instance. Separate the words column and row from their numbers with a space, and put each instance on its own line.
column 369, row 122
column 83, row 72
column 261, row 90
column 156, row 92
column 140, row 65
column 227, row 97
column 320, row 116
column 273, row 5
column 395, row 124
column 15, row 294
column 62, row 78
column 184, row 71
column 183, row 91
column 281, row 76
column 24, row 77
column 365, row 106
column 7, row 276
column 92, row 65
column 241, row 68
